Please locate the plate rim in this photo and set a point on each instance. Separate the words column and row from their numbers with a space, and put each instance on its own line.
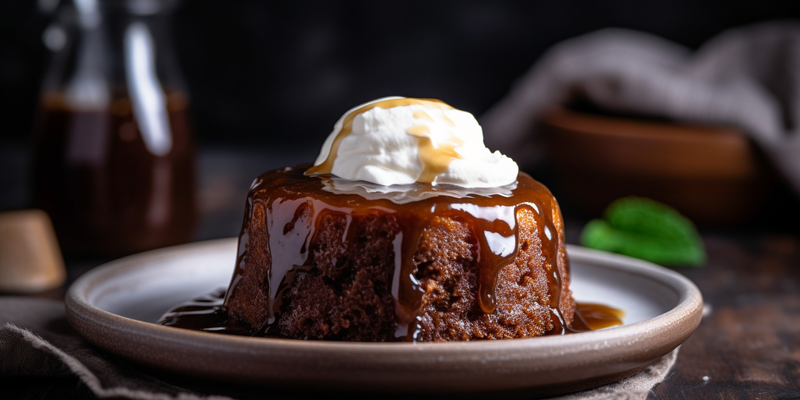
column 505, row 363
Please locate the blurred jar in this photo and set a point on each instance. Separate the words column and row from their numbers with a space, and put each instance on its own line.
column 114, row 163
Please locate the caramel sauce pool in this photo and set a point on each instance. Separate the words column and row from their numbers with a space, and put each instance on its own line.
column 599, row 316
column 205, row 313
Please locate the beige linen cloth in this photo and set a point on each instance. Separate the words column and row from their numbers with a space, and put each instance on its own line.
column 746, row 77
column 37, row 342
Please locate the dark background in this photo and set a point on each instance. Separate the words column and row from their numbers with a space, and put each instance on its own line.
column 277, row 73
column 269, row 79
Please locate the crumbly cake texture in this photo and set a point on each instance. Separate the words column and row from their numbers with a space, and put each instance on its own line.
column 448, row 273
column 345, row 290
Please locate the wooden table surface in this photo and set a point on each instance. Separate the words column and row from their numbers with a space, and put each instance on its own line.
column 748, row 344
column 746, row 347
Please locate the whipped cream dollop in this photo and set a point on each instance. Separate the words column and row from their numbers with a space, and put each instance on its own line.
column 399, row 140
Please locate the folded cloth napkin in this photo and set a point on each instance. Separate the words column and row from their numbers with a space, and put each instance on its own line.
column 37, row 342
column 746, row 77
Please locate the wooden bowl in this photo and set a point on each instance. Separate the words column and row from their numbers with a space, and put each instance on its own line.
column 713, row 175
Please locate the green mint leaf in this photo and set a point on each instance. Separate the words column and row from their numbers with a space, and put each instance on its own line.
column 646, row 229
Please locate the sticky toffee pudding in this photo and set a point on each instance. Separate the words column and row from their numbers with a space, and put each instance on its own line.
column 448, row 256
column 425, row 263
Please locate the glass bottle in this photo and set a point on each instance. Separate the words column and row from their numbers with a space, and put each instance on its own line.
column 113, row 152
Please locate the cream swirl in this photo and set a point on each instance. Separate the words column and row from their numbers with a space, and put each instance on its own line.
column 398, row 140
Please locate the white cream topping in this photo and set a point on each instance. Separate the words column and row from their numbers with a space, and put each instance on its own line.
column 397, row 140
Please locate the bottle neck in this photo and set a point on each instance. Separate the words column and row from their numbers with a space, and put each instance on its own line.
column 127, row 7
column 114, row 47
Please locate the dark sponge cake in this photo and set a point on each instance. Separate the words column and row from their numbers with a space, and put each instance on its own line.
column 450, row 310
column 324, row 259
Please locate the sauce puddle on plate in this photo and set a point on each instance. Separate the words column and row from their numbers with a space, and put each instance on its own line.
column 599, row 316
column 205, row 313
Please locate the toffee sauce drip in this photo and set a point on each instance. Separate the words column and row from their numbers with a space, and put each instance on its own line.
column 280, row 197
column 205, row 313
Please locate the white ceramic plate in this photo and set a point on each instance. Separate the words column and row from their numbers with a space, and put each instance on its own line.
column 115, row 306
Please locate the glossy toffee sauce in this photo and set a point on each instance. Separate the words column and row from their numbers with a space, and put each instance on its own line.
column 277, row 196
column 599, row 316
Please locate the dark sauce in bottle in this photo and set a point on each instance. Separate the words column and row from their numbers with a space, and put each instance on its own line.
column 107, row 187
column 113, row 155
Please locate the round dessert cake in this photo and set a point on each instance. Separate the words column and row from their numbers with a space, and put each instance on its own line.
column 406, row 228
column 323, row 258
